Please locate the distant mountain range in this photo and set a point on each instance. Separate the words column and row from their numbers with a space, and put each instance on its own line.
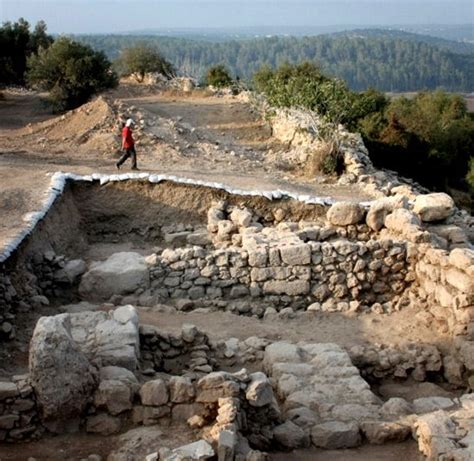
column 389, row 60
column 444, row 44
column 458, row 32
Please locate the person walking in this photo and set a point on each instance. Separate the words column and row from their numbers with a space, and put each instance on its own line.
column 128, row 145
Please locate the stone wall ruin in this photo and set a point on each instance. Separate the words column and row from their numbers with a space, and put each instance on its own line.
column 255, row 255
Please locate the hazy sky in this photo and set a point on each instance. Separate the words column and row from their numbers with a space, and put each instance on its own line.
column 76, row 16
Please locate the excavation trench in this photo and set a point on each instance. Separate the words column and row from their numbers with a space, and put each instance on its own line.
column 200, row 255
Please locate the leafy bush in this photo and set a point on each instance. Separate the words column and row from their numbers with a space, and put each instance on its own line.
column 305, row 86
column 142, row 59
column 17, row 43
column 71, row 72
column 470, row 174
column 429, row 137
column 218, row 76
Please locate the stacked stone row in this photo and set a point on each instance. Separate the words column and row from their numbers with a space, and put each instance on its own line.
column 339, row 271
column 189, row 352
column 378, row 362
column 18, row 410
column 8, row 298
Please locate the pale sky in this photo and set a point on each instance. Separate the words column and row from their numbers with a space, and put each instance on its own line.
column 103, row 16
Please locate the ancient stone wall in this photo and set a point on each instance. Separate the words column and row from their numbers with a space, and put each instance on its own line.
column 19, row 417
column 339, row 275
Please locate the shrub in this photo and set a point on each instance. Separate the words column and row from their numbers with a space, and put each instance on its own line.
column 218, row 76
column 142, row 59
column 71, row 72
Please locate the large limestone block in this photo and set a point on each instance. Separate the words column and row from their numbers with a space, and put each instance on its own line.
column 108, row 338
column 462, row 258
column 60, row 373
column 334, row 435
column 181, row 389
column 216, row 385
column 282, row 287
column 289, row 435
column 399, row 220
column 296, row 255
column 115, row 396
column 197, row 451
column 345, row 214
column 378, row 432
column 460, row 280
column 154, row 393
column 259, row 391
column 434, row 207
column 103, row 424
column 379, row 210
column 436, row 434
column 241, row 217
column 122, row 273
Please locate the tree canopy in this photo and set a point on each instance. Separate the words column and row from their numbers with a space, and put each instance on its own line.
column 17, row 43
column 71, row 71
column 142, row 59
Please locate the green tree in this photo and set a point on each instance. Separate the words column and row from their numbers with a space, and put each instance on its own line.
column 218, row 76
column 71, row 72
column 142, row 59
column 470, row 174
column 17, row 43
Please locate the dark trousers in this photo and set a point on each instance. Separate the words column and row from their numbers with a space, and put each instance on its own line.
column 129, row 153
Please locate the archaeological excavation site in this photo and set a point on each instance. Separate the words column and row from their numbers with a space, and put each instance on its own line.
column 157, row 317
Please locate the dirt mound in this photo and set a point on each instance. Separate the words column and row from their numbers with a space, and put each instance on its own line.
column 95, row 125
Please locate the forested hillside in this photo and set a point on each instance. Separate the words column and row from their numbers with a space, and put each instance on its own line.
column 388, row 64
column 448, row 45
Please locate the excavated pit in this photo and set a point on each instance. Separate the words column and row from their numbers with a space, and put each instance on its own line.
column 204, row 272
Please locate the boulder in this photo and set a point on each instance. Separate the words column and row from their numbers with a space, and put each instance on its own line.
column 396, row 406
column 197, row 451
column 345, row 214
column 434, row 207
column 103, row 424
column 379, row 432
column 436, row 434
column 181, row 389
column 400, row 219
column 334, row 435
column 154, row 393
column 379, row 210
column 461, row 258
column 467, row 354
column 60, row 373
column 215, row 386
column 241, row 217
column 303, row 417
column 7, row 390
column 120, row 274
column 282, row 352
column 296, row 255
column 259, row 391
column 74, row 269
column 118, row 374
column 290, row 436
column 428, row 404
column 115, row 396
